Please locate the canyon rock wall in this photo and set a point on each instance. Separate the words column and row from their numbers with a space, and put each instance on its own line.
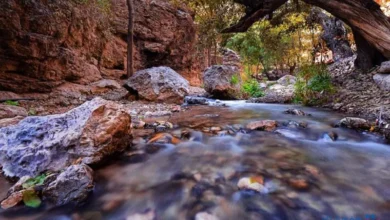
column 44, row 44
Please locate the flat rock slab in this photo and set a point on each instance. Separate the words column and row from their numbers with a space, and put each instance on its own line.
column 87, row 133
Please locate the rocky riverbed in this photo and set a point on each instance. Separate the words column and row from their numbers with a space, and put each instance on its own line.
column 213, row 160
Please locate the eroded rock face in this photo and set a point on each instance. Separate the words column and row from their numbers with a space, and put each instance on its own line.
column 47, row 43
column 161, row 84
column 71, row 186
column 9, row 111
column 219, row 82
column 88, row 133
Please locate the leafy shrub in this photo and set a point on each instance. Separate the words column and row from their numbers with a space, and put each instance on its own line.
column 13, row 103
column 234, row 80
column 252, row 88
column 314, row 85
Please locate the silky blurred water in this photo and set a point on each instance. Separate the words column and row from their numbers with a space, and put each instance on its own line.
column 349, row 177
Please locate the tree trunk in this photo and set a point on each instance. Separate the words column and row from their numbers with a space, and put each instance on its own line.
column 368, row 56
column 334, row 34
column 364, row 17
column 130, row 39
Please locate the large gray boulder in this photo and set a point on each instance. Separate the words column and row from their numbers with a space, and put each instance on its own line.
column 159, row 84
column 383, row 81
column 281, row 92
column 385, row 67
column 71, row 186
column 88, row 134
column 287, row 80
column 222, row 82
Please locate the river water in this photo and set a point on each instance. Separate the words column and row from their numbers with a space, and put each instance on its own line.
column 306, row 174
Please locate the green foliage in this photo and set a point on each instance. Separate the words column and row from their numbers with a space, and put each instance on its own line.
column 13, row 103
column 285, row 41
column 252, row 88
column 313, row 86
column 31, row 199
column 234, row 80
column 211, row 17
column 39, row 180
column 30, row 196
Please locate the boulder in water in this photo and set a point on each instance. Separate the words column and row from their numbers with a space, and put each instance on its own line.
column 160, row 84
column 88, row 133
column 222, row 82
column 296, row 112
column 355, row 123
column 190, row 100
column 264, row 125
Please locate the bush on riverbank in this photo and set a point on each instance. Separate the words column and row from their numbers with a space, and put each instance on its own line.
column 314, row 85
column 252, row 89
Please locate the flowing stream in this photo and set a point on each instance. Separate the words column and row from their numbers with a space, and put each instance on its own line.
column 307, row 174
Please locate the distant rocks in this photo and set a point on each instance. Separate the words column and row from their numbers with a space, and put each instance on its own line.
column 222, row 82
column 159, row 84
column 296, row 112
column 280, row 91
column 88, row 133
column 276, row 74
column 287, row 80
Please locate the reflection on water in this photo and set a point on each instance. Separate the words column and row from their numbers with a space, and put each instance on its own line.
column 307, row 175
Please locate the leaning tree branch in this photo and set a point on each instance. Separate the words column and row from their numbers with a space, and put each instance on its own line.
column 264, row 8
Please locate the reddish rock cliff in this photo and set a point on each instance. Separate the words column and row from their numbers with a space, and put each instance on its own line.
column 46, row 43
